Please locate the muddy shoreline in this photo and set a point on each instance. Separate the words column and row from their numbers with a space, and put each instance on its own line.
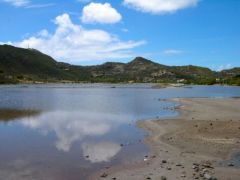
column 192, row 145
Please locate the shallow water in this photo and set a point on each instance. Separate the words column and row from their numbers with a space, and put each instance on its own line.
column 79, row 129
column 233, row 161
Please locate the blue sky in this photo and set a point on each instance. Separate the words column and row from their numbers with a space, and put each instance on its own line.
column 171, row 32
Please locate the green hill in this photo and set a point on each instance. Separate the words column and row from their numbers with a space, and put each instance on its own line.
column 18, row 65
column 230, row 76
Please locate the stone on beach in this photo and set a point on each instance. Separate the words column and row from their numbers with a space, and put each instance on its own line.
column 207, row 176
column 163, row 178
column 103, row 175
column 230, row 164
column 164, row 161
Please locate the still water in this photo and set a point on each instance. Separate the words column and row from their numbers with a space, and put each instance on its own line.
column 59, row 132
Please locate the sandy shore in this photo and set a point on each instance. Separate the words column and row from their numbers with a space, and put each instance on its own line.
column 190, row 146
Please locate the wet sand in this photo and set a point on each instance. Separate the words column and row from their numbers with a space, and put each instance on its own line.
column 190, row 146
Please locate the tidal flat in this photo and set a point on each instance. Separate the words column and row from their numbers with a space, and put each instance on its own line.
column 197, row 144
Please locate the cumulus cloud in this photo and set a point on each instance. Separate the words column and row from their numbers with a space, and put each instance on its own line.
column 172, row 52
column 100, row 13
column 72, row 43
column 160, row 6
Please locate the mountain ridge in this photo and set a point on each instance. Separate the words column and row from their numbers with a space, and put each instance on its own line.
column 19, row 65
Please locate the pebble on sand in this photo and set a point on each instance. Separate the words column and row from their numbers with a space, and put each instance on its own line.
column 164, row 161
column 103, row 175
column 230, row 164
column 163, row 178
column 207, row 176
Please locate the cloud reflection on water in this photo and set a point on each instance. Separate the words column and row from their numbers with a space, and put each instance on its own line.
column 72, row 126
column 100, row 152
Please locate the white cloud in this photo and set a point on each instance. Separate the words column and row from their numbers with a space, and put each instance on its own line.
column 43, row 33
column 172, row 51
column 100, row 13
column 160, row 6
column 223, row 67
column 27, row 4
column 72, row 43
column 40, row 5
column 18, row 3
column 125, row 30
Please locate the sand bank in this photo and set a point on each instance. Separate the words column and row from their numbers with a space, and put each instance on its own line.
column 190, row 146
